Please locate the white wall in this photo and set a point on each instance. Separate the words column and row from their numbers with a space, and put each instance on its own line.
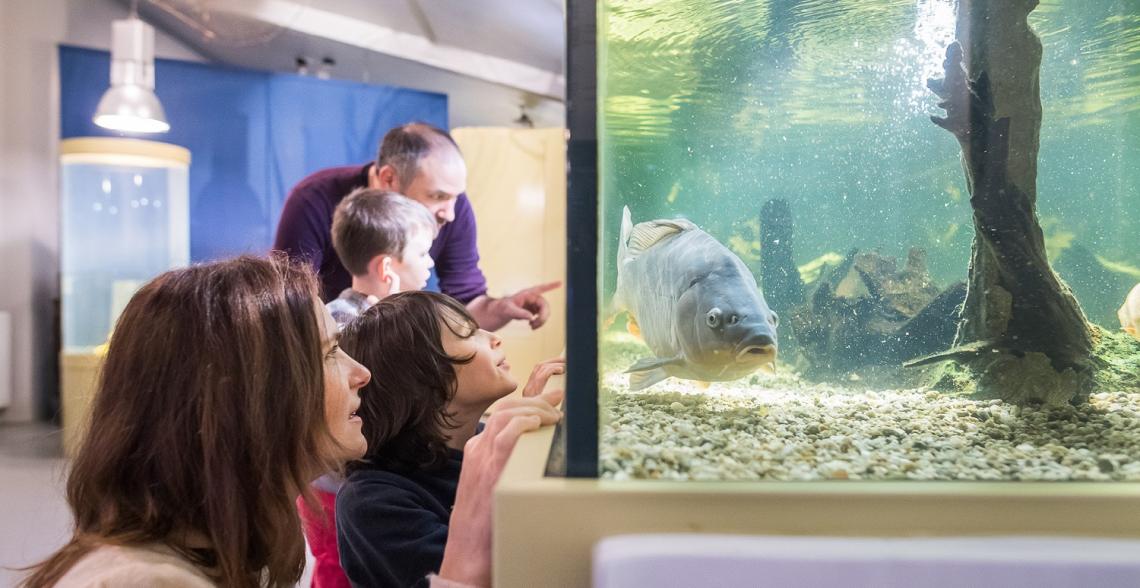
column 30, row 32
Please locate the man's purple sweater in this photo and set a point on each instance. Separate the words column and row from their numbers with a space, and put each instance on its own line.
column 305, row 232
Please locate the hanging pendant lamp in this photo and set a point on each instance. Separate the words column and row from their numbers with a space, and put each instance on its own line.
column 130, row 105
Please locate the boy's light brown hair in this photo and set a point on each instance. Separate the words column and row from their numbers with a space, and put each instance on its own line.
column 371, row 222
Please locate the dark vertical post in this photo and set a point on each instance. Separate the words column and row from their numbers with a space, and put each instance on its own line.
column 582, row 237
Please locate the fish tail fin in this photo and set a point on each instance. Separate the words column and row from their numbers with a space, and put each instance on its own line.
column 626, row 227
column 626, row 231
column 622, row 254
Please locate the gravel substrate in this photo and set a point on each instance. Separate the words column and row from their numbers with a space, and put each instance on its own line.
column 782, row 428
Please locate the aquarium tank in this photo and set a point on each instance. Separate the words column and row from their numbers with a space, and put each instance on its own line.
column 125, row 219
column 855, row 240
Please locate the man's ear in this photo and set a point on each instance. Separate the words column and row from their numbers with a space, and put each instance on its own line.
column 383, row 178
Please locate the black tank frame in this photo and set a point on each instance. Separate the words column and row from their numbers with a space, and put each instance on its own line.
column 580, row 428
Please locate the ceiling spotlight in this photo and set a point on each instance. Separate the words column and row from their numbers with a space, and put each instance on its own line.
column 324, row 70
column 524, row 118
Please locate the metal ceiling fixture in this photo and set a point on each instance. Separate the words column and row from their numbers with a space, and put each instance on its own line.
column 130, row 105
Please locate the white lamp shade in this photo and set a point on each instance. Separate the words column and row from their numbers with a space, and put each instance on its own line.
column 131, row 109
column 130, row 105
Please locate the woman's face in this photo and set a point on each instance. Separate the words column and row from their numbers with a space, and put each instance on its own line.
column 344, row 378
column 487, row 377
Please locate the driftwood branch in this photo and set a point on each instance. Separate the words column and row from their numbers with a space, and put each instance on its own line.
column 1016, row 309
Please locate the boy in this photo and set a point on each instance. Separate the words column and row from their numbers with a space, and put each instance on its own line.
column 382, row 239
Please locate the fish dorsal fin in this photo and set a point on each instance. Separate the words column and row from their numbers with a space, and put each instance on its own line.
column 648, row 234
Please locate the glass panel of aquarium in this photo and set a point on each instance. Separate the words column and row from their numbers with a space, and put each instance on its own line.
column 868, row 239
column 125, row 215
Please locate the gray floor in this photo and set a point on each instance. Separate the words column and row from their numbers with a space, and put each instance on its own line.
column 34, row 519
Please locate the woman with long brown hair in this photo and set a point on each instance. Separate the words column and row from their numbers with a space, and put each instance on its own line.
column 223, row 394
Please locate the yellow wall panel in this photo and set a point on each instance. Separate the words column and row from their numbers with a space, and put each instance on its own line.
column 517, row 186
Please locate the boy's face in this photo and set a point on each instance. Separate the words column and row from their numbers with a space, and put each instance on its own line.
column 487, row 377
column 414, row 266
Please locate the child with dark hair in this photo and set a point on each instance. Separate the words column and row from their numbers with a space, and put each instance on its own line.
column 435, row 374
column 383, row 239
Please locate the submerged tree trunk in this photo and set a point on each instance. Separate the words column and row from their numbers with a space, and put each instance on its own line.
column 783, row 287
column 1021, row 326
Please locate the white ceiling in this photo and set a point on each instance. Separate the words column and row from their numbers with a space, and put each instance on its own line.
column 514, row 43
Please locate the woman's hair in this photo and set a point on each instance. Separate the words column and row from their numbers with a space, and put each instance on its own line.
column 404, row 406
column 207, row 422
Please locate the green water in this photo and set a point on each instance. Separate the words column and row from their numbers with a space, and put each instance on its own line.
column 709, row 108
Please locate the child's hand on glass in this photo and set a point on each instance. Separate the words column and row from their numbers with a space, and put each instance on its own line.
column 542, row 373
column 467, row 555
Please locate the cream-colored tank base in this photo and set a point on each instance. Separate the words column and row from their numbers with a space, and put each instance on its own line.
column 546, row 528
column 77, row 386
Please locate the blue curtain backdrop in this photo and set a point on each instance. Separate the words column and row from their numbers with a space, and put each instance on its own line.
column 252, row 135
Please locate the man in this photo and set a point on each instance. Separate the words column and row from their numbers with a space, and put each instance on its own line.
column 423, row 163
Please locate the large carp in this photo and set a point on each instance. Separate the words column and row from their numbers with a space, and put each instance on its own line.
column 696, row 304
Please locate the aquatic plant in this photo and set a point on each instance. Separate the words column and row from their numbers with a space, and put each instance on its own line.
column 812, row 270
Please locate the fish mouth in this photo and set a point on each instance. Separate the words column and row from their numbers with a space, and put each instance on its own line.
column 755, row 353
column 758, row 345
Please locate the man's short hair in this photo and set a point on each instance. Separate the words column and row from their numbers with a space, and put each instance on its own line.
column 370, row 222
column 404, row 146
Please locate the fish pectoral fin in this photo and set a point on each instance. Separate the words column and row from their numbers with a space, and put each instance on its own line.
column 703, row 385
column 649, row 371
column 651, row 363
column 645, row 379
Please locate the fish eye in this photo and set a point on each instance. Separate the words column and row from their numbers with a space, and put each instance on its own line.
column 712, row 318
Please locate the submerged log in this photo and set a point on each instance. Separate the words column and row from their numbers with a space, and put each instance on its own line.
column 1014, row 302
column 780, row 278
column 867, row 312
